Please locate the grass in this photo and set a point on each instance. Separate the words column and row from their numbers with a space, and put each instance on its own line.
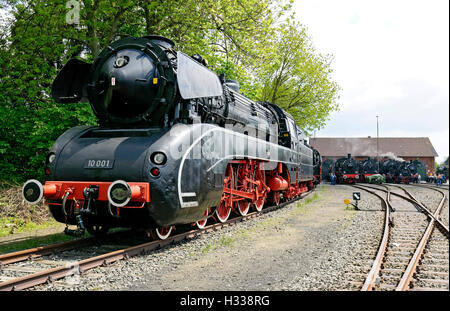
column 10, row 225
column 18, row 217
column 269, row 222
column 224, row 241
column 34, row 242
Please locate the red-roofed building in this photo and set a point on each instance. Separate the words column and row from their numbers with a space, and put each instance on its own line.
column 406, row 148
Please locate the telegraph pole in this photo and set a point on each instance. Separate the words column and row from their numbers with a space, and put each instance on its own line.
column 378, row 160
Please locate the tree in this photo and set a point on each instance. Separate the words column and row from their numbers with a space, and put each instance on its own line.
column 297, row 78
column 37, row 44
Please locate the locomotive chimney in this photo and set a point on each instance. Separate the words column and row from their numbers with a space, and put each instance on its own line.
column 349, row 155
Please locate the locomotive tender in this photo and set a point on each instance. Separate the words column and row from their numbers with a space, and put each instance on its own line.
column 176, row 144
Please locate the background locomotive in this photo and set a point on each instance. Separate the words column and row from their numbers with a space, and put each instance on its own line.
column 389, row 169
column 317, row 167
column 176, row 144
column 399, row 171
column 346, row 170
column 327, row 169
column 368, row 168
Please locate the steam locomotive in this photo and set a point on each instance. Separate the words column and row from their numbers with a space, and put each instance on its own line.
column 346, row 170
column 176, row 144
column 317, row 167
column 368, row 168
column 399, row 171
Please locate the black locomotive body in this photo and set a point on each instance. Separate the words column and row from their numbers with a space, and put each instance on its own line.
column 317, row 166
column 404, row 172
column 368, row 168
column 389, row 170
column 399, row 171
column 176, row 144
column 327, row 168
column 346, row 170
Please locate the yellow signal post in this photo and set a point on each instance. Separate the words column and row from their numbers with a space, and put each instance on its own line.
column 347, row 202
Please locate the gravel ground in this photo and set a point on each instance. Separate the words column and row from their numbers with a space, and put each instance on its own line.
column 431, row 199
column 316, row 244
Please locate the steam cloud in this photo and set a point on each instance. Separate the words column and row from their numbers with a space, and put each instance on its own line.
column 392, row 156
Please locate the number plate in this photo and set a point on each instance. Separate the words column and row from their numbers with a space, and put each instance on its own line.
column 99, row 163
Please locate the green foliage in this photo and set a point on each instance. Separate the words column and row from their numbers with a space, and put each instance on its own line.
column 297, row 78
column 10, row 225
column 30, row 121
column 239, row 38
column 33, row 241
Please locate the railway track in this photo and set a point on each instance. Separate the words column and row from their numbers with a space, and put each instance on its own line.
column 413, row 252
column 36, row 271
column 38, row 252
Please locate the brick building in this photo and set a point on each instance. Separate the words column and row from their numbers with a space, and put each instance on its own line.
column 406, row 148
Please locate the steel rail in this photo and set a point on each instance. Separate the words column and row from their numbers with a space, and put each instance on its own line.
column 414, row 262
column 69, row 269
column 370, row 281
column 415, row 259
column 36, row 252
column 425, row 208
column 396, row 194
column 386, row 189
column 413, row 200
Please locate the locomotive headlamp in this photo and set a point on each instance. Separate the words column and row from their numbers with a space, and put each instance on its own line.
column 121, row 61
column 158, row 158
column 119, row 193
column 51, row 157
column 32, row 191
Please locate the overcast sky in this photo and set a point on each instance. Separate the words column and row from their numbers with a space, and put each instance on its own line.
column 391, row 59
